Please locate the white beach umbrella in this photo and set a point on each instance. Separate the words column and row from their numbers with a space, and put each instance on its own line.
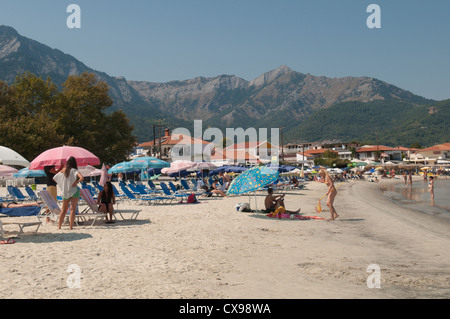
column 10, row 157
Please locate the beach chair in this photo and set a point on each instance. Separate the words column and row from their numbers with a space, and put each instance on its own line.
column 12, row 215
column 92, row 205
column 54, row 211
column 15, row 193
column 31, row 194
column 171, row 195
column 152, row 185
column 117, row 193
column 189, row 190
column 137, row 199
column 52, row 206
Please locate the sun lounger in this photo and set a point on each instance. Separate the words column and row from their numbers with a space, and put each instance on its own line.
column 31, row 194
column 173, row 195
column 15, row 193
column 137, row 199
column 92, row 205
column 55, row 210
column 13, row 213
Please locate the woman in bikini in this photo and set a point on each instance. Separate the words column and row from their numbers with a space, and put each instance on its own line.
column 106, row 200
column 332, row 192
column 16, row 205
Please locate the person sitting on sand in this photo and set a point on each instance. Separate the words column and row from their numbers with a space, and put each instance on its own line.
column 216, row 189
column 273, row 202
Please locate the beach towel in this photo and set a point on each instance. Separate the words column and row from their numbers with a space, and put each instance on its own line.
column 21, row 211
column 292, row 216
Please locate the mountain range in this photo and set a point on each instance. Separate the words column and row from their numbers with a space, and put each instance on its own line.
column 278, row 98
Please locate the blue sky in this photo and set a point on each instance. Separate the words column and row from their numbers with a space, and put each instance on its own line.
column 166, row 40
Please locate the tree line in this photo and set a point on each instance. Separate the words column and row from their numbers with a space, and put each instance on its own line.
column 37, row 115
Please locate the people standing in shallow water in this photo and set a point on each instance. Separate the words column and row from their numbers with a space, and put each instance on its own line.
column 431, row 187
column 332, row 192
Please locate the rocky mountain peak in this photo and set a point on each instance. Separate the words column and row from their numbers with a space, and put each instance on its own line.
column 270, row 76
column 9, row 41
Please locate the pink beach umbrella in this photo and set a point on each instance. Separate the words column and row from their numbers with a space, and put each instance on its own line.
column 7, row 171
column 54, row 157
column 178, row 166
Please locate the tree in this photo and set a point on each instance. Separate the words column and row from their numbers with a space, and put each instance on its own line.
column 415, row 145
column 37, row 115
column 27, row 124
column 86, row 124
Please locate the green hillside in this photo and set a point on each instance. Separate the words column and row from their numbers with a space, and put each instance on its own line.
column 397, row 123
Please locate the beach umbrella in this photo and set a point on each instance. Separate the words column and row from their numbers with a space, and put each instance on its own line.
column 104, row 175
column 203, row 166
column 123, row 167
column 6, row 171
column 147, row 162
column 54, row 156
column 360, row 164
column 178, row 166
column 252, row 180
column 10, row 157
column 86, row 170
column 26, row 172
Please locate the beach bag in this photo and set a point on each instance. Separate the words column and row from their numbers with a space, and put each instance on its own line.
column 192, row 199
column 243, row 207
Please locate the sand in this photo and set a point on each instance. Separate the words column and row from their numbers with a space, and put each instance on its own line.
column 210, row 251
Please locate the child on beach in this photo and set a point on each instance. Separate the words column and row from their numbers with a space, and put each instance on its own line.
column 332, row 192
column 106, row 200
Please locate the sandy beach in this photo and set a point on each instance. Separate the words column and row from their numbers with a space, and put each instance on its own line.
column 210, row 251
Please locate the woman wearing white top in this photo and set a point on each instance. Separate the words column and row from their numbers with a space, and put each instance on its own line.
column 67, row 180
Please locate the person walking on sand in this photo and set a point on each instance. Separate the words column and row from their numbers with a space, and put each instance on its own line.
column 405, row 176
column 332, row 192
column 67, row 180
column 410, row 178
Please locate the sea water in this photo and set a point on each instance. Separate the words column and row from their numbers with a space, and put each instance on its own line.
column 418, row 196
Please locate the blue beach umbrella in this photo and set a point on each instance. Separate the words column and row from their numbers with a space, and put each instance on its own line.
column 148, row 162
column 26, row 172
column 252, row 180
column 124, row 167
